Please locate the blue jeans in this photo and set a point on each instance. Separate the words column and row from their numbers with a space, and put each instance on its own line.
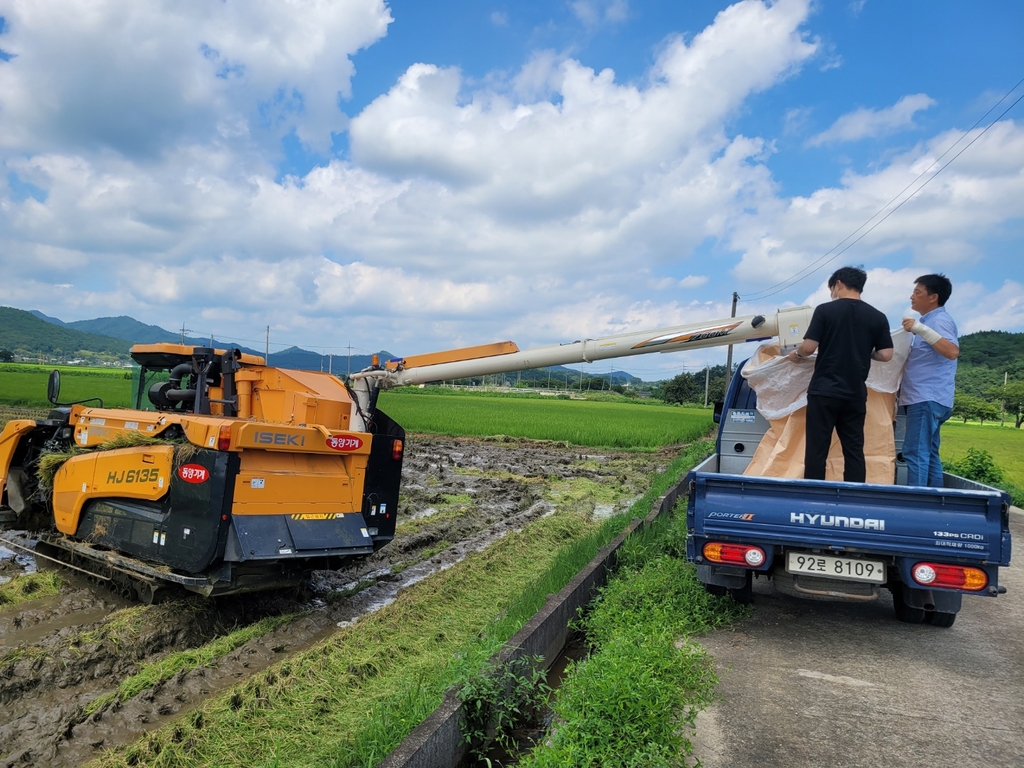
column 921, row 444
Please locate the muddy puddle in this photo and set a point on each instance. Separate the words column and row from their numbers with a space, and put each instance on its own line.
column 58, row 655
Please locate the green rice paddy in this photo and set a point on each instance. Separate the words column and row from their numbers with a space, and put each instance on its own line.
column 581, row 422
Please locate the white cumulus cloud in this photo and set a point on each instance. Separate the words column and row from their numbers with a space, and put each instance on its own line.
column 872, row 123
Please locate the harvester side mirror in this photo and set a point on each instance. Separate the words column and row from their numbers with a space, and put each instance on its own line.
column 53, row 387
column 53, row 392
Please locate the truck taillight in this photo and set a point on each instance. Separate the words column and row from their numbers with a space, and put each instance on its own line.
column 396, row 450
column 949, row 576
column 224, row 437
column 734, row 554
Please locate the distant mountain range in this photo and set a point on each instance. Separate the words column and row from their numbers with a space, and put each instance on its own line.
column 31, row 334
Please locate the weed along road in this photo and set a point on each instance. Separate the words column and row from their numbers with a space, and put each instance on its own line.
column 807, row 684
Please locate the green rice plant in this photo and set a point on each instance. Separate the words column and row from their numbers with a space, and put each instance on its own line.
column 12, row 657
column 611, row 425
column 151, row 675
column 123, row 627
column 453, row 507
column 26, row 386
column 29, row 586
column 91, row 371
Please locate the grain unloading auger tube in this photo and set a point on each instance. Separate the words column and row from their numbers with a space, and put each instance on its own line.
column 789, row 325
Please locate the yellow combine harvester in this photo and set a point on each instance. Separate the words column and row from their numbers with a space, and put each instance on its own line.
column 228, row 475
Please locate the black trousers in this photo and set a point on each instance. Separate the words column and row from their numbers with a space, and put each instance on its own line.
column 846, row 417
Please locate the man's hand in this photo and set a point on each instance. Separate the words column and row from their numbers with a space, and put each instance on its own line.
column 797, row 358
column 804, row 350
column 918, row 328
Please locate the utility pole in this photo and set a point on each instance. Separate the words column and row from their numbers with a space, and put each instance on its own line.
column 330, row 362
column 350, row 359
column 707, row 384
column 728, row 359
column 266, row 356
column 184, row 330
column 1002, row 418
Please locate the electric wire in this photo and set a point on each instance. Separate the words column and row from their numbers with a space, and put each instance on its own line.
column 821, row 261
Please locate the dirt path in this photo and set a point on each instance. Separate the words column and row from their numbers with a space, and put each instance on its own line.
column 458, row 496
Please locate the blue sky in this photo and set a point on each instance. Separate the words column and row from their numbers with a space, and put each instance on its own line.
column 417, row 176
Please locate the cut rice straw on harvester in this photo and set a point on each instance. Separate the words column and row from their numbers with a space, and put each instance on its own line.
column 51, row 462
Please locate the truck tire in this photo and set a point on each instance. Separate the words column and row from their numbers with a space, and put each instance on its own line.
column 716, row 590
column 904, row 612
column 940, row 618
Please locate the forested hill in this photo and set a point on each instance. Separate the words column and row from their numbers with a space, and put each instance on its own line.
column 994, row 349
column 25, row 334
column 987, row 358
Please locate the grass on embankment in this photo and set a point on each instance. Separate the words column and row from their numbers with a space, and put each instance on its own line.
column 351, row 699
column 633, row 700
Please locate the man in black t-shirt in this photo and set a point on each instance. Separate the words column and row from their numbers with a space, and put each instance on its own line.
column 848, row 334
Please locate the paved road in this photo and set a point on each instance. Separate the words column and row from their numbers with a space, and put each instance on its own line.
column 806, row 684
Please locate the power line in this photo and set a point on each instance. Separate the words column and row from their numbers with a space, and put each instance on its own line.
column 821, row 261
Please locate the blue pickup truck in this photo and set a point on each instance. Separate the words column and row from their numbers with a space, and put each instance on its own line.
column 827, row 540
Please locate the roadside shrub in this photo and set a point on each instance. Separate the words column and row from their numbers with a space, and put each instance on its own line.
column 977, row 465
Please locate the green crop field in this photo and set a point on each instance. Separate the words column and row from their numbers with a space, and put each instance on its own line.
column 25, row 385
column 618, row 425
column 1004, row 444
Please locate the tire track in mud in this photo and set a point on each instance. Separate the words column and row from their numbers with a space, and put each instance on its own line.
column 458, row 496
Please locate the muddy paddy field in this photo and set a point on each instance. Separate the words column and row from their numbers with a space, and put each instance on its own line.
column 77, row 669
